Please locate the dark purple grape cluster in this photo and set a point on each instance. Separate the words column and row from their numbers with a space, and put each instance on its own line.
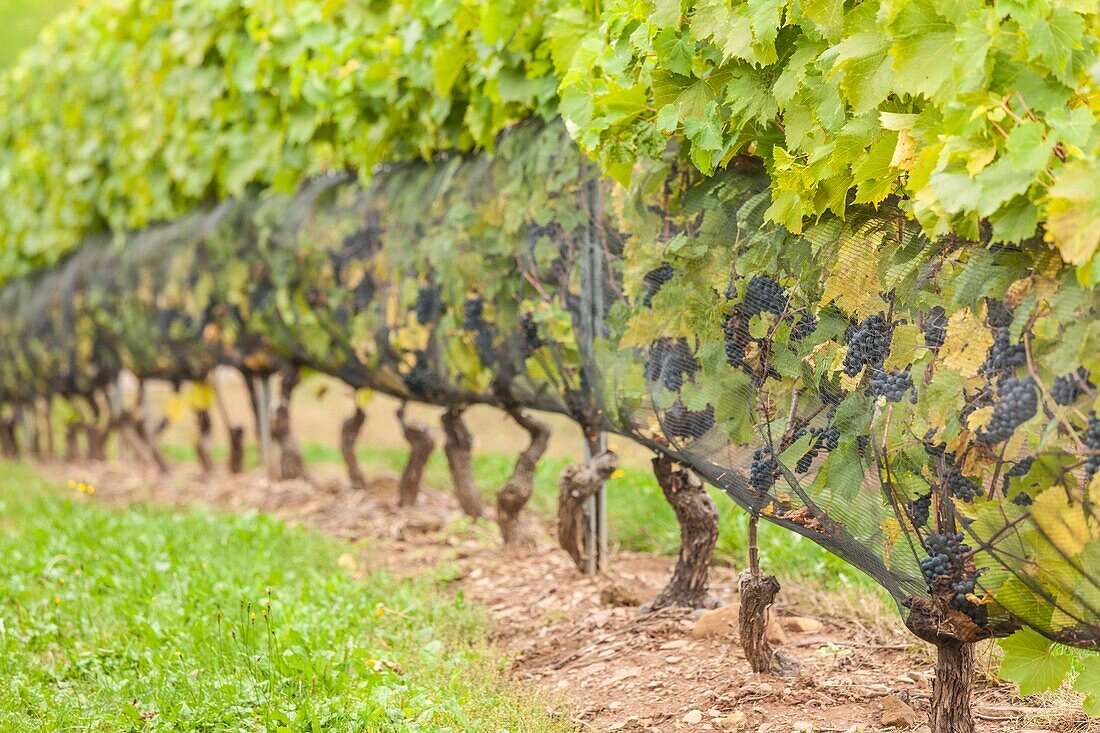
column 1091, row 440
column 935, row 327
column 763, row 470
column 945, row 556
column 997, row 314
column 529, row 330
column 473, row 319
column 805, row 324
column 670, row 363
column 1017, row 402
column 421, row 381
column 824, row 439
column 1067, row 389
column 429, row 304
column 680, row 422
column 963, row 588
column 653, row 280
column 919, row 509
column 473, row 312
column 892, row 384
column 868, row 344
column 764, row 294
column 1004, row 356
column 1019, row 468
column 961, row 487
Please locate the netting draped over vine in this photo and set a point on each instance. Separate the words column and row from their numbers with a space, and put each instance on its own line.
column 913, row 425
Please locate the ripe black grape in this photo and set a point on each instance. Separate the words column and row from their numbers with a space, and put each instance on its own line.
column 1067, row 389
column 997, row 314
column 653, row 281
column 680, row 422
column 764, row 294
column 935, row 328
column 1091, row 440
column 804, row 326
column 890, row 384
column 961, row 487
column 1004, row 356
column 945, row 572
column 763, row 470
column 1018, row 402
column 868, row 344
column 429, row 305
column 530, row 333
column 670, row 362
column 1020, row 468
column 919, row 509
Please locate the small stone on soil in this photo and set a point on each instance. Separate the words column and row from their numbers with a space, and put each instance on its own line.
column 693, row 717
column 897, row 714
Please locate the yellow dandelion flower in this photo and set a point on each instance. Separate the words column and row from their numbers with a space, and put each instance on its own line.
column 91, row 489
column 72, row 484
column 380, row 610
column 252, row 616
column 56, row 601
column 81, row 487
column 617, row 473
column 61, row 581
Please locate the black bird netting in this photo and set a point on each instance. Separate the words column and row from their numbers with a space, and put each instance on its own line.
column 926, row 421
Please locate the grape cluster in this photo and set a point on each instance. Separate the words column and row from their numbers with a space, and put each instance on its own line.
column 653, row 280
column 963, row 590
column 1091, row 440
column 805, row 323
column 473, row 319
column 680, row 422
column 1017, row 403
column 763, row 470
column 935, row 328
column 868, row 344
column 429, row 304
column 1067, row 389
column 919, row 509
column 997, row 314
column 670, row 362
column 529, row 330
column 892, row 384
column 764, row 294
column 421, row 381
column 824, row 439
column 1004, row 356
column 945, row 556
column 961, row 487
column 1020, row 468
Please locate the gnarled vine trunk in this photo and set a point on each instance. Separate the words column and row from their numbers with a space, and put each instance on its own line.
column 458, row 446
column 698, row 519
column 202, row 442
column 421, row 441
column 953, row 684
column 516, row 491
column 349, row 433
column 72, row 440
column 291, row 464
column 9, row 441
column 578, row 483
column 97, row 434
column 758, row 592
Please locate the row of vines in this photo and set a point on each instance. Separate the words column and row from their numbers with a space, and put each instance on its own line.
column 836, row 259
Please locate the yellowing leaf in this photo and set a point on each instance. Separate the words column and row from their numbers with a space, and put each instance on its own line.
column 1073, row 212
column 1063, row 523
column 968, row 341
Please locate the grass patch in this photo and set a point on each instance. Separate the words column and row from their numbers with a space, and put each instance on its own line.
column 639, row 518
column 151, row 620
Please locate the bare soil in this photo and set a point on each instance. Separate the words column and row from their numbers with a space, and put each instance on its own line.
column 581, row 641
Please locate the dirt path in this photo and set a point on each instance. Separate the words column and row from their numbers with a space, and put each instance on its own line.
column 581, row 640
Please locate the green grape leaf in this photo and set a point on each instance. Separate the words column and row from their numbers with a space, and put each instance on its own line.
column 1033, row 663
column 1088, row 682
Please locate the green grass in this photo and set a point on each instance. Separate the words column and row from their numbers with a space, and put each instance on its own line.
column 639, row 518
column 20, row 23
column 157, row 621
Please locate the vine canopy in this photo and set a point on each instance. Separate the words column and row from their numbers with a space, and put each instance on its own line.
column 980, row 117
